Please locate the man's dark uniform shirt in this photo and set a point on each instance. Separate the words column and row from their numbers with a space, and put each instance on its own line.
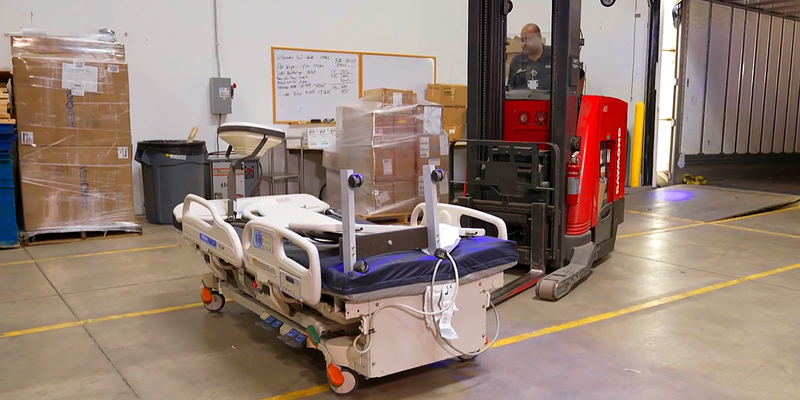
column 522, row 69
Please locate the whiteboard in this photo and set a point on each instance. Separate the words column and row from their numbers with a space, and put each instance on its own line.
column 308, row 85
column 397, row 71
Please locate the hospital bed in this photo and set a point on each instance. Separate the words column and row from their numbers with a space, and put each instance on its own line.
column 375, row 300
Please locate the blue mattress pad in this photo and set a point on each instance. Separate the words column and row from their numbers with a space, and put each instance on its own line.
column 404, row 268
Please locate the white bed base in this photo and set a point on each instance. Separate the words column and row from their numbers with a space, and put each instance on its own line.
column 292, row 293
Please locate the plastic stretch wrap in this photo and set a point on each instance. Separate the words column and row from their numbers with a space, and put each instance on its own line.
column 73, row 123
column 387, row 136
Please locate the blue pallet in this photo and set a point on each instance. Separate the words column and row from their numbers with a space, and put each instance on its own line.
column 7, row 197
column 7, row 128
column 6, row 169
column 7, row 146
column 11, row 241
column 7, row 212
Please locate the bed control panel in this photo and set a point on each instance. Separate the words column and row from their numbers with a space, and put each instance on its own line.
column 290, row 285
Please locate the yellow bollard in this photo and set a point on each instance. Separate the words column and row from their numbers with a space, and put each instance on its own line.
column 636, row 146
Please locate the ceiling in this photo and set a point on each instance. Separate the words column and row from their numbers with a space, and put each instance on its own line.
column 783, row 8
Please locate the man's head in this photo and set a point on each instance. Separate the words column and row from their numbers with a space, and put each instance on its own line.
column 531, row 37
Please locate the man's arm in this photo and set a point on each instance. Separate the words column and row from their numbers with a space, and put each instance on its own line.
column 512, row 68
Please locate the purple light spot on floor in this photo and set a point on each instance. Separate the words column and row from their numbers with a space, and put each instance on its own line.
column 675, row 195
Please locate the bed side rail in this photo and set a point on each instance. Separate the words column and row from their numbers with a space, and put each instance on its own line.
column 216, row 237
column 265, row 255
column 451, row 214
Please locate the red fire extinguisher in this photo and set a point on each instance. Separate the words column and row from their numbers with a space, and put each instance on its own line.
column 573, row 178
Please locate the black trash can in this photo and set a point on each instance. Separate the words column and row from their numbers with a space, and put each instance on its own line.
column 171, row 169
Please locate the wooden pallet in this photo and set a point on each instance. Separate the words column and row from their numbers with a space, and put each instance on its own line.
column 37, row 238
column 4, row 115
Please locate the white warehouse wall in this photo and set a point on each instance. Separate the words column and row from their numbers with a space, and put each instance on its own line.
column 170, row 48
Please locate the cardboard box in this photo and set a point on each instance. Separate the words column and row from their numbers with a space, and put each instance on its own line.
column 357, row 125
column 446, row 94
column 389, row 159
column 454, row 132
column 453, row 99
column 454, row 115
column 405, row 122
column 370, row 199
column 432, row 149
column 70, row 102
column 429, row 119
column 319, row 138
column 391, row 97
column 76, row 187
column 405, row 196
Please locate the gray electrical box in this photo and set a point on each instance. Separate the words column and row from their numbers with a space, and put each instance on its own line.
column 221, row 95
column 247, row 179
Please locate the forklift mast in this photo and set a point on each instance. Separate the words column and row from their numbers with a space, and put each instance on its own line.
column 548, row 173
column 487, row 30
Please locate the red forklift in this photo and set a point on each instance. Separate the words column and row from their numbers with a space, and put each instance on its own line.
column 550, row 163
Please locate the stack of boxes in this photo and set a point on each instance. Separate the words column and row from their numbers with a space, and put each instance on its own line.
column 387, row 136
column 73, row 120
column 453, row 99
column 8, row 219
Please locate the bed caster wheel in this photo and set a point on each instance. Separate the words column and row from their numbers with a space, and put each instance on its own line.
column 342, row 381
column 466, row 358
column 212, row 300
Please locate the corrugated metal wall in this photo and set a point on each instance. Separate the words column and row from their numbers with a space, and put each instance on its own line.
column 738, row 83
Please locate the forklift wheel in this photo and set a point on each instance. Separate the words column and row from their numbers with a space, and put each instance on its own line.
column 546, row 289
column 608, row 3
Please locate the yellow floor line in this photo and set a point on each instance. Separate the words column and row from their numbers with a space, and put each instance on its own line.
column 661, row 216
column 580, row 322
column 742, row 228
column 96, row 320
column 102, row 253
column 654, row 231
column 640, row 307
column 715, row 222
column 299, row 394
column 780, row 210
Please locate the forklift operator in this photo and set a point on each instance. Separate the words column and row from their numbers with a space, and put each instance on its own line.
column 531, row 68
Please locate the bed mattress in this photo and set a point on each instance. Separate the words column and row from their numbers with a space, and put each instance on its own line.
column 408, row 272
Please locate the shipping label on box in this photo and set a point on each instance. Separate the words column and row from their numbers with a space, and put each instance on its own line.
column 431, row 120
column 79, row 78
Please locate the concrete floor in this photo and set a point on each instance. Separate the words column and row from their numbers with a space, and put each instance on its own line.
column 736, row 342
